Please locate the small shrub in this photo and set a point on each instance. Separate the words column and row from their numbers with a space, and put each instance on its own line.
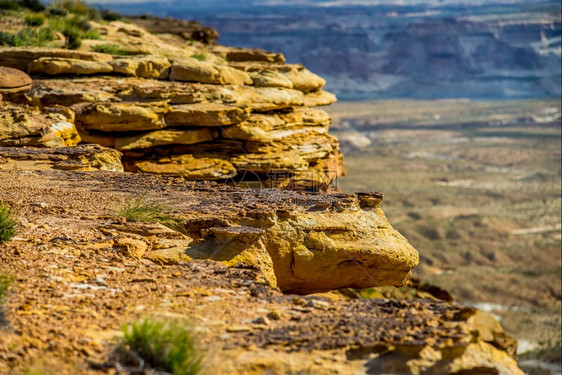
column 167, row 345
column 7, row 224
column 77, row 7
column 9, row 5
column 141, row 210
column 33, row 5
column 57, row 12
column 91, row 34
column 73, row 38
column 199, row 56
column 109, row 16
column 37, row 19
column 27, row 37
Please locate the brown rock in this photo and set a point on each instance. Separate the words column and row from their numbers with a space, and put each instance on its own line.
column 205, row 114
column 319, row 98
column 132, row 247
column 20, row 57
column 157, row 67
column 163, row 137
column 270, row 78
column 21, row 126
column 13, row 80
column 57, row 65
column 193, row 70
column 113, row 117
column 304, row 80
column 247, row 54
column 77, row 158
column 199, row 168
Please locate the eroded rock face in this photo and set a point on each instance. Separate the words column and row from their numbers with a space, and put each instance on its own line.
column 23, row 126
column 167, row 102
column 77, row 158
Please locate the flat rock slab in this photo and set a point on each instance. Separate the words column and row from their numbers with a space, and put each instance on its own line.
column 77, row 158
column 300, row 243
column 13, row 80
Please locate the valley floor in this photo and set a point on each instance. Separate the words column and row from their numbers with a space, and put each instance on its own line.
column 475, row 186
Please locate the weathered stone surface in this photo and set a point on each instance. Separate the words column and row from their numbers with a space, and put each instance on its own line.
column 247, row 54
column 163, row 137
column 328, row 243
column 118, row 117
column 156, row 67
column 130, row 246
column 263, row 99
column 199, row 168
column 77, row 158
column 20, row 57
column 193, row 70
column 56, row 66
column 258, row 125
column 20, row 126
column 304, row 80
column 491, row 331
column 13, row 80
column 59, row 134
column 270, row 78
column 205, row 114
column 319, row 98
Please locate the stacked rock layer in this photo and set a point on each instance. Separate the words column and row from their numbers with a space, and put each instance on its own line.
column 203, row 112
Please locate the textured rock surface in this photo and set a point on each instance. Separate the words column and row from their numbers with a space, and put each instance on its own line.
column 248, row 326
column 13, row 80
column 54, row 66
column 22, row 126
column 78, row 158
column 177, row 106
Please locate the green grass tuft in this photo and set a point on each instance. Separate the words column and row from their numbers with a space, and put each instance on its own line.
column 112, row 49
column 142, row 210
column 8, row 225
column 199, row 56
column 168, row 345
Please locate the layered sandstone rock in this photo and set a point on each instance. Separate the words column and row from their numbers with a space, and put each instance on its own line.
column 22, row 126
column 201, row 112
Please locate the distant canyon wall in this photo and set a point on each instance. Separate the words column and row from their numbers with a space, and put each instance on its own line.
column 417, row 52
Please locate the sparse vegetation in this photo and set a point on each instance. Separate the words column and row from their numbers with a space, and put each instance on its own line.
column 109, row 16
column 77, row 7
column 142, row 210
column 112, row 49
column 168, row 345
column 5, row 282
column 199, row 56
column 8, row 225
column 33, row 5
column 36, row 19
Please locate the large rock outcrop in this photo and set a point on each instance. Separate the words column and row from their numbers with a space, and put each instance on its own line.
column 68, row 216
column 243, row 111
